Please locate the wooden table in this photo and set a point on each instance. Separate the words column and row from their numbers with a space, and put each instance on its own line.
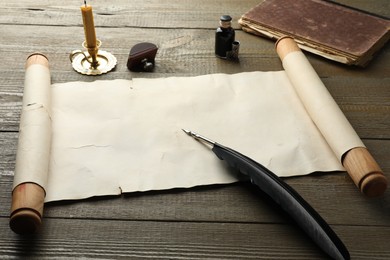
column 219, row 222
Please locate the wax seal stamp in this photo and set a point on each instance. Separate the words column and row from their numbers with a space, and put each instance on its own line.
column 142, row 57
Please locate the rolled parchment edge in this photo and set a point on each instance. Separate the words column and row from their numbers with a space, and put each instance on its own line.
column 358, row 162
column 28, row 197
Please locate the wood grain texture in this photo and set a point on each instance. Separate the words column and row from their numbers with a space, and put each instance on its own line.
column 182, row 240
column 214, row 222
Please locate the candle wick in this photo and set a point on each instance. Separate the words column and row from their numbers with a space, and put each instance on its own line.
column 85, row 2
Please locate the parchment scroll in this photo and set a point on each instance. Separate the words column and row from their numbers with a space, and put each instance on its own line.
column 119, row 136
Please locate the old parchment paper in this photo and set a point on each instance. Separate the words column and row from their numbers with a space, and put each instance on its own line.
column 119, row 136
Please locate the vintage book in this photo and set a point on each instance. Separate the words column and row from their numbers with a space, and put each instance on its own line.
column 331, row 30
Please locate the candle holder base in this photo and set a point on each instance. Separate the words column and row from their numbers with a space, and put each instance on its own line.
column 81, row 62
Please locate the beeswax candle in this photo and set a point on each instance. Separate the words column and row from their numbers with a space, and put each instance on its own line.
column 89, row 27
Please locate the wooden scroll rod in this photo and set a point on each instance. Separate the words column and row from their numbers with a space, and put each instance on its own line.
column 359, row 163
column 28, row 198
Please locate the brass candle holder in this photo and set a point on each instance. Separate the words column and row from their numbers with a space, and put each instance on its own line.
column 92, row 61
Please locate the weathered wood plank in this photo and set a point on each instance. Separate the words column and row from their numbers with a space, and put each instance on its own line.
column 375, row 7
column 145, row 14
column 75, row 238
column 138, row 13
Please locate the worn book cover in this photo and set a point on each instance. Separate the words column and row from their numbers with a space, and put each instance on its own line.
column 328, row 29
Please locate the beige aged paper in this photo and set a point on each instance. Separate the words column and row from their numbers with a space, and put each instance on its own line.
column 33, row 155
column 320, row 105
column 109, row 137
column 123, row 136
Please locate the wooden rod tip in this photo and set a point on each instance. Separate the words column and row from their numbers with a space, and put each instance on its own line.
column 285, row 45
column 27, row 208
column 37, row 58
column 365, row 172
column 25, row 221
column 374, row 185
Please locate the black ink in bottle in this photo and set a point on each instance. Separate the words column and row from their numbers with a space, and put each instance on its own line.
column 224, row 37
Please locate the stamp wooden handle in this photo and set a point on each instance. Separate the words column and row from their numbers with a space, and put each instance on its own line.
column 28, row 197
column 358, row 162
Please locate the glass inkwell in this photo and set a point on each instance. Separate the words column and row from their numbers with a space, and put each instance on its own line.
column 226, row 47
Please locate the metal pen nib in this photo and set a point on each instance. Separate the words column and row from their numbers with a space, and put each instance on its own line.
column 199, row 137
